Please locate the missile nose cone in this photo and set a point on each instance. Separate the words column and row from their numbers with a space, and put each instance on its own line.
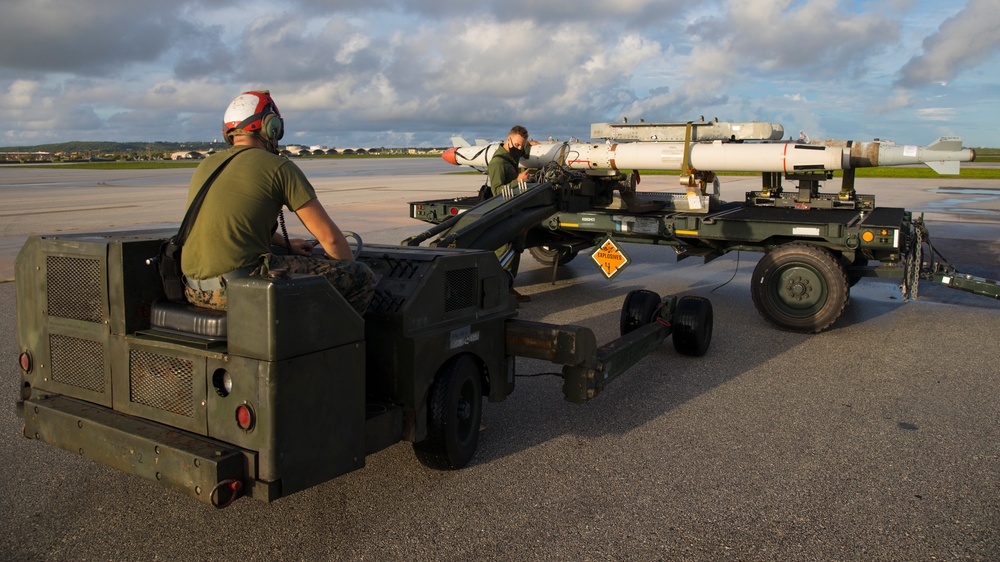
column 449, row 156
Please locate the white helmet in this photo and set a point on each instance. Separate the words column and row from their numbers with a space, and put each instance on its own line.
column 253, row 111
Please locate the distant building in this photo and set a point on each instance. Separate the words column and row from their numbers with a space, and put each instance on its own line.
column 37, row 156
column 189, row 155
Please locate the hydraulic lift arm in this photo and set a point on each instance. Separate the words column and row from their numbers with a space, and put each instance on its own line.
column 494, row 222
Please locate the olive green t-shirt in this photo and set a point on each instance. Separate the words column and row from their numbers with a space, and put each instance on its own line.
column 233, row 228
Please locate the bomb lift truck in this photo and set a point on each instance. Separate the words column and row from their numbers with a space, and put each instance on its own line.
column 816, row 245
column 291, row 387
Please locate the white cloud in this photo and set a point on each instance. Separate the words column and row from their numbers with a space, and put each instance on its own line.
column 899, row 99
column 963, row 41
column 936, row 113
column 422, row 71
column 20, row 94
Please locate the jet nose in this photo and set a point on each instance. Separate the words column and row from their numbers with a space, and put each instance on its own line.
column 449, row 156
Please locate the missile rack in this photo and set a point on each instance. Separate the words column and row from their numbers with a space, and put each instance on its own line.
column 816, row 245
column 771, row 193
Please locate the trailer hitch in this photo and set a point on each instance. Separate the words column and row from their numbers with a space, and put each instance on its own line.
column 647, row 320
column 937, row 269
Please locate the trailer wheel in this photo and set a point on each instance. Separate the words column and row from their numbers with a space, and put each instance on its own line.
column 639, row 309
column 454, row 411
column 551, row 256
column 692, row 326
column 799, row 288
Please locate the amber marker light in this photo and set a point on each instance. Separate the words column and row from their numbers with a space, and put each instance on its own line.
column 867, row 236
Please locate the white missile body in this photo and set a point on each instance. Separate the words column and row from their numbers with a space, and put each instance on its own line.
column 714, row 156
column 786, row 157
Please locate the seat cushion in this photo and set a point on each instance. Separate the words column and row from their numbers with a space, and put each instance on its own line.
column 188, row 319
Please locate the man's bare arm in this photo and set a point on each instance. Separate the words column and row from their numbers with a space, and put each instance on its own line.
column 318, row 222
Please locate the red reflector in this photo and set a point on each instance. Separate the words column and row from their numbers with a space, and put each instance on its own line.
column 244, row 417
column 454, row 210
column 25, row 361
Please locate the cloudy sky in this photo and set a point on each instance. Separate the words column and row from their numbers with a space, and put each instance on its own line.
column 413, row 73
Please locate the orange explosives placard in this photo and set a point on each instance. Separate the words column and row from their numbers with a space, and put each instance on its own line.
column 610, row 258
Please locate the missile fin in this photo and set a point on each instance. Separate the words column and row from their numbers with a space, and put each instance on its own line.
column 944, row 168
column 945, row 144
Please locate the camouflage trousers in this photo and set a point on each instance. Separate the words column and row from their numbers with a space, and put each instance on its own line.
column 353, row 279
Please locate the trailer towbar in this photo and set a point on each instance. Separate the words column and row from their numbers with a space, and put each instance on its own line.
column 646, row 321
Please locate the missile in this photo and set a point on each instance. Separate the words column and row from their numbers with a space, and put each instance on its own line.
column 695, row 131
column 473, row 156
column 943, row 156
column 714, row 156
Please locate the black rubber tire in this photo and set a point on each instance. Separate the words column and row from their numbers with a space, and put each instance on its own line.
column 639, row 309
column 692, row 326
column 549, row 256
column 454, row 412
column 799, row 288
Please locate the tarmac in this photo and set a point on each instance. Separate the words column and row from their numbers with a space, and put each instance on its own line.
column 878, row 439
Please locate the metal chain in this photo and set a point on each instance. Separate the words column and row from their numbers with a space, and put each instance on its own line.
column 913, row 264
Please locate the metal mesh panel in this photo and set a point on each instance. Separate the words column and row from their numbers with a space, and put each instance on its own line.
column 161, row 382
column 77, row 362
column 461, row 288
column 74, row 289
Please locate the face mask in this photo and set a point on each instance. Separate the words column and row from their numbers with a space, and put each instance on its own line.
column 517, row 153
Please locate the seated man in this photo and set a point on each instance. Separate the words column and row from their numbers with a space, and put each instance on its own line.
column 235, row 227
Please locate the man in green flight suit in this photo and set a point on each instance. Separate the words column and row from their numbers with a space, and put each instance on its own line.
column 504, row 177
